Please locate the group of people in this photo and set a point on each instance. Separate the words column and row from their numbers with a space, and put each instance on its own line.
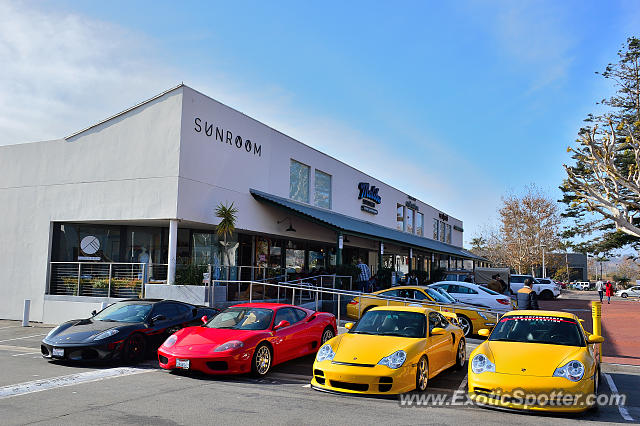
column 603, row 288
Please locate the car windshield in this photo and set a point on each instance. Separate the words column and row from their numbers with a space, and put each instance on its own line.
column 392, row 323
column 538, row 329
column 437, row 296
column 124, row 312
column 488, row 290
column 443, row 293
column 242, row 318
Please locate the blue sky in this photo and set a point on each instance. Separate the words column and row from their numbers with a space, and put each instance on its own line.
column 455, row 103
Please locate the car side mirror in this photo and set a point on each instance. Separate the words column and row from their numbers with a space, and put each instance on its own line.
column 438, row 331
column 93, row 313
column 281, row 324
column 348, row 325
column 158, row 318
column 204, row 319
column 594, row 338
column 484, row 332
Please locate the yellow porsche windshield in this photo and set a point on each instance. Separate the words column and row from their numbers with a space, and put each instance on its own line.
column 392, row 323
column 538, row 329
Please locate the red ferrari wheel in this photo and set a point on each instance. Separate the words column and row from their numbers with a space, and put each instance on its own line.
column 261, row 362
column 327, row 335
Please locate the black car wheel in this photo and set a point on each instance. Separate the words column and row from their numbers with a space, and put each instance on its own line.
column 624, row 295
column 261, row 362
column 134, row 349
column 546, row 295
column 327, row 335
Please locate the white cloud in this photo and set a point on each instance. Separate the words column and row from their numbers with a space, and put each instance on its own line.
column 62, row 71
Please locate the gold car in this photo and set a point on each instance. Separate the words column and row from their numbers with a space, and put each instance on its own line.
column 536, row 360
column 470, row 319
column 391, row 350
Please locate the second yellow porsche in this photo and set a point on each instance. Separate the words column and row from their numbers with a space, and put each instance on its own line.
column 391, row 350
column 536, row 360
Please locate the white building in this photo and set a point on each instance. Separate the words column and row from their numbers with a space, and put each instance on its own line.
column 141, row 188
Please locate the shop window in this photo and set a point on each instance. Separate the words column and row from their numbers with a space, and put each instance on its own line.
column 295, row 261
column 322, row 194
column 419, row 224
column 299, row 182
column 409, row 220
column 400, row 217
column 448, row 236
column 436, row 229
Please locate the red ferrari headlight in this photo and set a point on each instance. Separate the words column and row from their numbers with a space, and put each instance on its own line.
column 232, row 344
column 171, row 340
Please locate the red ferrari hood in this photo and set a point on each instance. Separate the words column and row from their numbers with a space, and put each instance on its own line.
column 197, row 336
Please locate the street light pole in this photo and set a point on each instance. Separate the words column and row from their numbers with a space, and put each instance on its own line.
column 544, row 268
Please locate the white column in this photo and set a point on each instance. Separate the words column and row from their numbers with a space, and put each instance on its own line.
column 173, row 248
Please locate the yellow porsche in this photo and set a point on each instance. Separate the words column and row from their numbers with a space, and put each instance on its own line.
column 536, row 360
column 391, row 350
column 470, row 319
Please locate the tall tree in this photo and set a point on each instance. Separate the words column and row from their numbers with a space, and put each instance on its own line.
column 602, row 188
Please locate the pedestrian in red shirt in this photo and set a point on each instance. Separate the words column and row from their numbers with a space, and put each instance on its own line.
column 609, row 290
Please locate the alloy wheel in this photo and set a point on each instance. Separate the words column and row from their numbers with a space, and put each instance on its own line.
column 326, row 336
column 422, row 375
column 263, row 360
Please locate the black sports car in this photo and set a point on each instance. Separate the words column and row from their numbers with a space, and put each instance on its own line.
column 127, row 330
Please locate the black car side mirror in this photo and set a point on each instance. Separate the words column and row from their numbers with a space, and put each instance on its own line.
column 158, row 318
column 93, row 313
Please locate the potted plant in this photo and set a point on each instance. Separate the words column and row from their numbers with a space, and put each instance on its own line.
column 69, row 286
column 100, row 287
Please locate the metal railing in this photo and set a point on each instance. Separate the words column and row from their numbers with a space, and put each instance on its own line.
column 123, row 280
column 335, row 300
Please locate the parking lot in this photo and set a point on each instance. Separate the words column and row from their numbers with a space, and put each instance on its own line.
column 34, row 391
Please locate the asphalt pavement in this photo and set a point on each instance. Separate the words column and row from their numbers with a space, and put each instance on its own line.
column 36, row 391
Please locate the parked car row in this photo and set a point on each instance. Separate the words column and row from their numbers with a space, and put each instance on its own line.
column 389, row 350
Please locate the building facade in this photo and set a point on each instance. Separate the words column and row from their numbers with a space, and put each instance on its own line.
column 139, row 190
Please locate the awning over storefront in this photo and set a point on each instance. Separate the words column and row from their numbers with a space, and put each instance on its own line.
column 357, row 227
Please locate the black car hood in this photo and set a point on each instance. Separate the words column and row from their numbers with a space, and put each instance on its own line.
column 83, row 331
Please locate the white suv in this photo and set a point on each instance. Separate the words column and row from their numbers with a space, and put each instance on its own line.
column 543, row 291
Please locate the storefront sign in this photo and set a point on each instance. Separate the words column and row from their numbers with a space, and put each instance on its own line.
column 444, row 217
column 457, row 228
column 227, row 137
column 369, row 196
column 411, row 205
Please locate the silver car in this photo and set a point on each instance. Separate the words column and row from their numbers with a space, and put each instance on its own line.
column 633, row 291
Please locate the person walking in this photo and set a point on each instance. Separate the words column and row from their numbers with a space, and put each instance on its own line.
column 526, row 297
column 609, row 290
column 364, row 276
column 600, row 288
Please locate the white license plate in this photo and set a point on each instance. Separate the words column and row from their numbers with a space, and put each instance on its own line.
column 58, row 352
column 182, row 363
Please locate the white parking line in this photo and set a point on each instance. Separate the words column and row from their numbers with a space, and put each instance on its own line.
column 463, row 384
column 73, row 379
column 623, row 410
column 21, row 338
column 10, row 326
column 26, row 353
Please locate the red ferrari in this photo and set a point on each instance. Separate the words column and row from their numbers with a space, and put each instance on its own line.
column 250, row 337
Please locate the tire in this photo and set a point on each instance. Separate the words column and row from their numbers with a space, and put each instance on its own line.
column 262, row 360
column 422, row 374
column 461, row 355
column 546, row 295
column 596, row 388
column 134, row 349
column 327, row 334
column 465, row 325
column 624, row 295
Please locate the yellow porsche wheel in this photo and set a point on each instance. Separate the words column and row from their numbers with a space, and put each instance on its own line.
column 422, row 374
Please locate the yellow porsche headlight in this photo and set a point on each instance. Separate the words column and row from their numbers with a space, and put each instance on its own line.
column 325, row 353
column 573, row 370
column 480, row 364
column 395, row 360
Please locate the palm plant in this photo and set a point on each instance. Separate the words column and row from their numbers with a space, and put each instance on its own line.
column 228, row 215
